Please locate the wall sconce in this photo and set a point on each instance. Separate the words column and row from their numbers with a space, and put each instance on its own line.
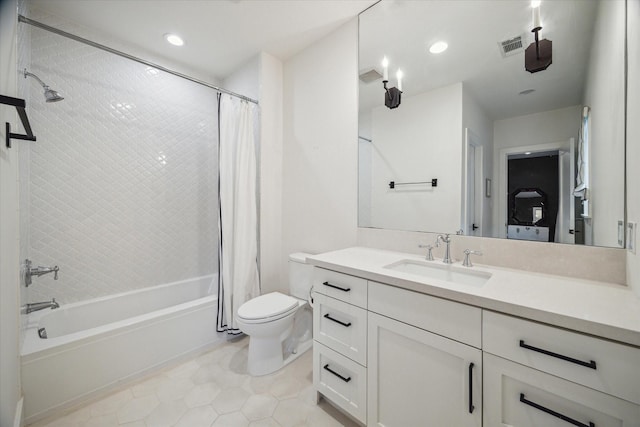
column 537, row 56
column 392, row 96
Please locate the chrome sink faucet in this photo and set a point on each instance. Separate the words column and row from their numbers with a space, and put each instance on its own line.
column 35, row 306
column 447, row 253
column 29, row 271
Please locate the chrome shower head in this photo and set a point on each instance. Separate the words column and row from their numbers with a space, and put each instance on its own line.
column 50, row 95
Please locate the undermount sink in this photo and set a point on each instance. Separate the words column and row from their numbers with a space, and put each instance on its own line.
column 458, row 275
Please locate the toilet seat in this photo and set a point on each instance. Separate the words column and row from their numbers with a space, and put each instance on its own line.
column 267, row 308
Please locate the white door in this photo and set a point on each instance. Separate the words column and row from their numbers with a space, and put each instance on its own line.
column 417, row 378
column 473, row 198
column 519, row 396
column 565, row 227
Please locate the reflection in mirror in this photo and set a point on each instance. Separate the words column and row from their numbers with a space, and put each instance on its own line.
column 489, row 131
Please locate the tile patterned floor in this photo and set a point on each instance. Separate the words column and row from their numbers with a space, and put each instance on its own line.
column 213, row 390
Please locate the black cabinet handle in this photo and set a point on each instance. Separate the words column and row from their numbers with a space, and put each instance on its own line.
column 336, row 287
column 346, row 325
column 554, row 413
column 591, row 364
column 471, row 407
column 346, row 380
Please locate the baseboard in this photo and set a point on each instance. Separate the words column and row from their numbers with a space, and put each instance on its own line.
column 17, row 420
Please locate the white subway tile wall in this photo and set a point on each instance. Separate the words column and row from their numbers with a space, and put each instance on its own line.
column 123, row 177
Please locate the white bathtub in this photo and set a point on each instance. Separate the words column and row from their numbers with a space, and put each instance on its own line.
column 94, row 345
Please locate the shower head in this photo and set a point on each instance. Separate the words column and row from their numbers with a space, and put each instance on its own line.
column 50, row 95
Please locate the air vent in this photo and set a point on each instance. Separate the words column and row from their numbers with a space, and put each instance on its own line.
column 370, row 76
column 511, row 46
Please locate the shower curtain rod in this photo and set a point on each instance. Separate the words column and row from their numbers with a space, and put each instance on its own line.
column 46, row 27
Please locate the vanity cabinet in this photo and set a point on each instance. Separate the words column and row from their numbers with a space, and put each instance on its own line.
column 421, row 368
column 538, row 374
column 418, row 378
column 340, row 340
column 394, row 357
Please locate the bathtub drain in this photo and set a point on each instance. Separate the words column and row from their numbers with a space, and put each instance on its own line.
column 42, row 333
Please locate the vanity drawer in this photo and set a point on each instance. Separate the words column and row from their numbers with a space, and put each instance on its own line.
column 341, row 327
column 596, row 363
column 453, row 320
column 341, row 286
column 519, row 396
column 341, row 380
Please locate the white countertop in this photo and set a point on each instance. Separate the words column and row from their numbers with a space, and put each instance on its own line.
column 598, row 308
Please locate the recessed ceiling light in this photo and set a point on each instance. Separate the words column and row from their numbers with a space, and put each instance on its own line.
column 526, row 153
column 438, row 47
column 174, row 39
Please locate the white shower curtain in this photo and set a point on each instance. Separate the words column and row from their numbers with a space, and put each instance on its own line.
column 237, row 220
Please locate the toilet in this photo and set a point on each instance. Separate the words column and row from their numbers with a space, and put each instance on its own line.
column 279, row 326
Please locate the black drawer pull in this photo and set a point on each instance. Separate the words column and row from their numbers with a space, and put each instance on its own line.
column 591, row 364
column 471, row 407
column 346, row 380
column 346, row 325
column 554, row 413
column 336, row 287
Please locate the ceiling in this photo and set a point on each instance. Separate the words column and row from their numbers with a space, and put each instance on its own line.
column 403, row 30
column 220, row 35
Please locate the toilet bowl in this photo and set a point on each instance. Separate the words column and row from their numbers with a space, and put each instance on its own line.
column 278, row 325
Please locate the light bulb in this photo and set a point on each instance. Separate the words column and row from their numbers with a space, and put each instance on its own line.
column 399, row 76
column 385, row 69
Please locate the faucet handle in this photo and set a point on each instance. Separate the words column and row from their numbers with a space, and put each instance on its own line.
column 429, row 248
column 467, row 257
column 55, row 273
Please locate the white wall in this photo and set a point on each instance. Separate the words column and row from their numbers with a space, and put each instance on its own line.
column 10, row 393
column 633, row 136
column 523, row 131
column 319, row 200
column 123, row 176
column 271, row 170
column 419, row 141
column 604, row 92
column 246, row 79
column 365, row 158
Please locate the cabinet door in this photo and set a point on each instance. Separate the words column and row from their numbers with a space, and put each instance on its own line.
column 417, row 378
column 519, row 396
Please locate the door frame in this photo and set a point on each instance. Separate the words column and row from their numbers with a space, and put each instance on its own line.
column 503, row 160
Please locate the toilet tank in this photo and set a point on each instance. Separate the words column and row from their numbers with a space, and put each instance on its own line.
column 300, row 275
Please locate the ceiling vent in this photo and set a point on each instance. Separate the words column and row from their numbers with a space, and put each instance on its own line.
column 511, row 46
column 370, row 76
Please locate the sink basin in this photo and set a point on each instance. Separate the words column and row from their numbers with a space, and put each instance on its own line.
column 448, row 273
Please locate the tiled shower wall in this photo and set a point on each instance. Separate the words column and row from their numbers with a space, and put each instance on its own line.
column 122, row 181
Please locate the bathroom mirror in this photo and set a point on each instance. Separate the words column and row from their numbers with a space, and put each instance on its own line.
column 471, row 126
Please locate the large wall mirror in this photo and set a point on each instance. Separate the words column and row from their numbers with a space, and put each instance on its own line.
column 471, row 142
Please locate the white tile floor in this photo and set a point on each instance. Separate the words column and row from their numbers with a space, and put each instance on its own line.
column 213, row 390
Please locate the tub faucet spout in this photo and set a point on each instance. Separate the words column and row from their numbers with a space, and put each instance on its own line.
column 36, row 306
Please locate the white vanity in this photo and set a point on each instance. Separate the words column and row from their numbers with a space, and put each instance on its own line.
column 399, row 343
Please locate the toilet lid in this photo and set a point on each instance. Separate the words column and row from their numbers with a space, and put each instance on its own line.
column 267, row 305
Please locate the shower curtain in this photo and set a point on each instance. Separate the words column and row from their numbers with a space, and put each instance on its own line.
column 237, row 219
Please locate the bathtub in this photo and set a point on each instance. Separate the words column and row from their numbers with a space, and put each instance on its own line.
column 93, row 346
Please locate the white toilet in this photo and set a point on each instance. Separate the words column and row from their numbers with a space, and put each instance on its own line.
column 279, row 326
